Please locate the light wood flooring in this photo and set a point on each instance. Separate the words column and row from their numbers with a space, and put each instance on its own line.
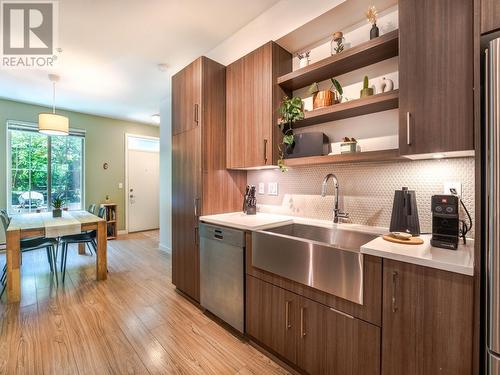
column 133, row 323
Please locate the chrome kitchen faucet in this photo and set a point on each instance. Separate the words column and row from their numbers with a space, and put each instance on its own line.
column 337, row 214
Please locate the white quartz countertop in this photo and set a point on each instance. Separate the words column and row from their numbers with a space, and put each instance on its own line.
column 458, row 261
column 239, row 220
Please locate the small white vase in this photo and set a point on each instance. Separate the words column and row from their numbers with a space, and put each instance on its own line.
column 388, row 84
column 303, row 62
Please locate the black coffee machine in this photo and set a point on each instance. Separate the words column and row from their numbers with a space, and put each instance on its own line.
column 445, row 221
column 404, row 212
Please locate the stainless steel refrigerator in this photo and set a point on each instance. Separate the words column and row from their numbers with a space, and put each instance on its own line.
column 492, row 203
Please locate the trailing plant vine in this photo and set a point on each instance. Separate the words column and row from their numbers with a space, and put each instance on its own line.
column 290, row 111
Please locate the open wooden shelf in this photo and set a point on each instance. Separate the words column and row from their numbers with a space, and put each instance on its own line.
column 376, row 50
column 352, row 108
column 355, row 157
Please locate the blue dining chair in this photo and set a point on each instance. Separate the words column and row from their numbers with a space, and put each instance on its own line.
column 89, row 238
column 31, row 244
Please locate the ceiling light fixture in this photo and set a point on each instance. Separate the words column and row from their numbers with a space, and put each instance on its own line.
column 51, row 123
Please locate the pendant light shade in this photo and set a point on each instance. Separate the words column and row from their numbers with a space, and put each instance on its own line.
column 51, row 123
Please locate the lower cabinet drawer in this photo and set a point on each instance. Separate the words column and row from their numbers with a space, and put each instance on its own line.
column 309, row 335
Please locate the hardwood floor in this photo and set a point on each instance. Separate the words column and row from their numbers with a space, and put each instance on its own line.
column 132, row 323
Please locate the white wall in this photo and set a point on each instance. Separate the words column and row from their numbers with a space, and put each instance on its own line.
column 166, row 172
column 277, row 21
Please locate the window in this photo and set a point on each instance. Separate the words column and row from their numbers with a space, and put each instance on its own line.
column 42, row 167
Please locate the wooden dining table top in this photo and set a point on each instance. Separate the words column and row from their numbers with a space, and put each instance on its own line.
column 37, row 220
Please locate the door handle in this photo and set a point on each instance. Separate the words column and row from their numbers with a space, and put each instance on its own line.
column 196, row 113
column 395, row 276
column 302, row 324
column 408, row 128
column 265, row 151
column 287, row 315
column 196, row 201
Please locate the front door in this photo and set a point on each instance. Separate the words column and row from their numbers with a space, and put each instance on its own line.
column 143, row 183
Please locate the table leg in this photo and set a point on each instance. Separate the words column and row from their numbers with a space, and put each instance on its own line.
column 102, row 248
column 81, row 248
column 13, row 265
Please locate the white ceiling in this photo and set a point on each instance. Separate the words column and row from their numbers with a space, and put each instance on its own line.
column 111, row 49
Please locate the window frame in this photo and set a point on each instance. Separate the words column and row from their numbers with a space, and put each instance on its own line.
column 33, row 127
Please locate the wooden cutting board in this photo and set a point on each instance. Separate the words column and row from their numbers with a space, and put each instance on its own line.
column 411, row 241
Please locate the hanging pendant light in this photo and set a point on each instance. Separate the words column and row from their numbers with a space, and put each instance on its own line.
column 51, row 123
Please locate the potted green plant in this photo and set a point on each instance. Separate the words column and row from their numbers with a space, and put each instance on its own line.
column 290, row 111
column 325, row 98
column 57, row 204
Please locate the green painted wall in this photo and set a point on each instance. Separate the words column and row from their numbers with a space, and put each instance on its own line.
column 104, row 142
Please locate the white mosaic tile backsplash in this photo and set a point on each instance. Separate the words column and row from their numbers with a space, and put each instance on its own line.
column 366, row 190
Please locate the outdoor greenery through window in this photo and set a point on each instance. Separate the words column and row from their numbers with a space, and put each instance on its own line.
column 42, row 168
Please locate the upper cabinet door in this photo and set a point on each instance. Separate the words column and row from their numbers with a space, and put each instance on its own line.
column 252, row 100
column 186, row 98
column 435, row 76
column 490, row 16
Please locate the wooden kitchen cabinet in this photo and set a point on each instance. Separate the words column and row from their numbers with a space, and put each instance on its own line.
column 436, row 58
column 309, row 335
column 198, row 165
column 427, row 321
column 252, row 100
column 271, row 317
column 490, row 16
column 186, row 85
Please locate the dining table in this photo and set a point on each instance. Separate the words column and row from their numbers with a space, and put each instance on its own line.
column 43, row 224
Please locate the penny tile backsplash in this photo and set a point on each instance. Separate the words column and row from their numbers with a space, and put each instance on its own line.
column 366, row 190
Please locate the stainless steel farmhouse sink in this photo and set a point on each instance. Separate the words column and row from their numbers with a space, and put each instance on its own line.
column 327, row 259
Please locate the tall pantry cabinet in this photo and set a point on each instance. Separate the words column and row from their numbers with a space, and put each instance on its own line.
column 201, row 185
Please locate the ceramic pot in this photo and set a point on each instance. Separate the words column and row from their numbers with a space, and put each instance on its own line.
column 325, row 98
column 56, row 212
column 366, row 92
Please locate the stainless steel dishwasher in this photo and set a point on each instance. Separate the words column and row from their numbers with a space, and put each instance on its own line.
column 222, row 273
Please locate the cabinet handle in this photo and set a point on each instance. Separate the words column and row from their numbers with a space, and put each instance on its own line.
column 195, row 204
column 408, row 128
column 196, row 236
column 302, row 325
column 395, row 276
column 287, row 315
column 341, row 313
column 196, row 113
column 265, row 151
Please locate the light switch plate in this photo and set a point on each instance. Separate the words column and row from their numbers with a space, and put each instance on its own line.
column 262, row 188
column 120, row 185
column 272, row 188
column 457, row 185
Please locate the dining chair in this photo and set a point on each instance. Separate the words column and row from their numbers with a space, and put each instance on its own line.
column 89, row 238
column 92, row 208
column 31, row 244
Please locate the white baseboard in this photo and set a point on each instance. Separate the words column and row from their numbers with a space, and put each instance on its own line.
column 165, row 248
column 122, row 232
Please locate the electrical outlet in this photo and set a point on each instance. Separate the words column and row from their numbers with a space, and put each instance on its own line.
column 448, row 185
column 262, row 188
column 272, row 188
